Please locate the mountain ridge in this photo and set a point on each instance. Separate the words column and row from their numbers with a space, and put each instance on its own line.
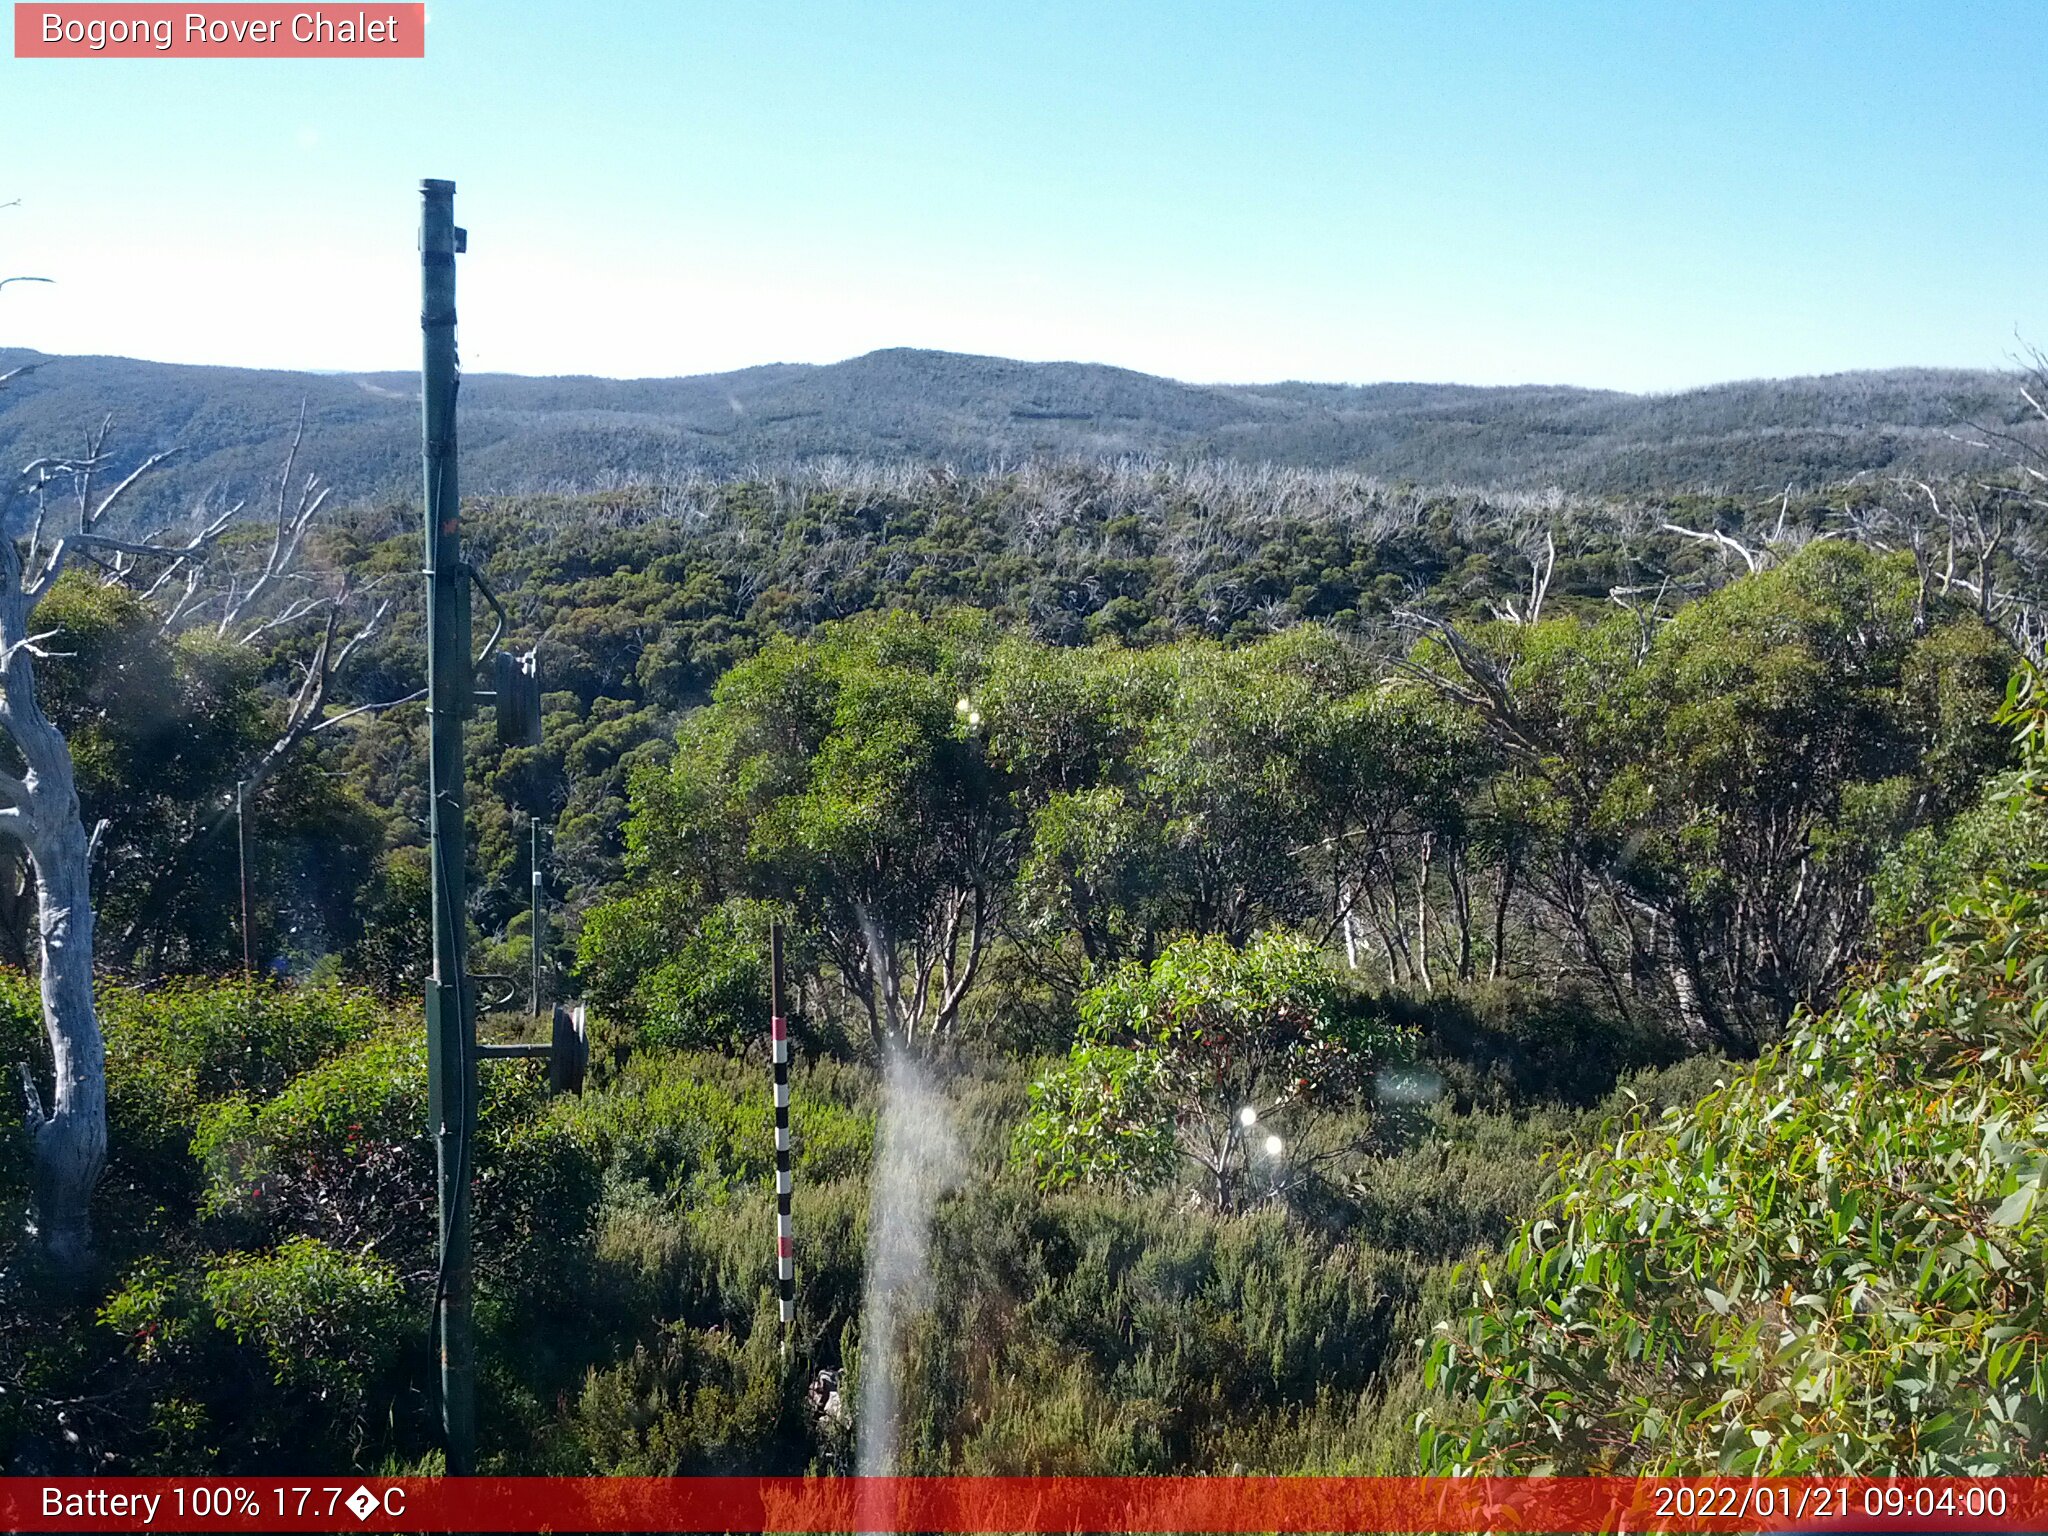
column 579, row 431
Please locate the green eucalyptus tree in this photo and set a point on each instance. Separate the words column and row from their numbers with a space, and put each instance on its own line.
column 1710, row 796
column 1832, row 1264
column 1170, row 790
column 844, row 778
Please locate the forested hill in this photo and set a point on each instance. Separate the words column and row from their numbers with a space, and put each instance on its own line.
column 527, row 434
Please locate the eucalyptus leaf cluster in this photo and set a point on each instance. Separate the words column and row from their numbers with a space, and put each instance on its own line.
column 1838, row 1262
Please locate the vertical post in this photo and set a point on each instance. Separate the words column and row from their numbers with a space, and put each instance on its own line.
column 539, row 895
column 242, row 852
column 778, row 1035
column 451, row 690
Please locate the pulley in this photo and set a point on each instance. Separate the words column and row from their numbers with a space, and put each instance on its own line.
column 515, row 680
column 570, row 1058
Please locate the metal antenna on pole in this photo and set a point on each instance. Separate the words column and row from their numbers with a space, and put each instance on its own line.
column 451, row 693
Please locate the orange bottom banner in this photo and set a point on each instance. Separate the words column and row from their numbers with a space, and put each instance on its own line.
column 1023, row 1504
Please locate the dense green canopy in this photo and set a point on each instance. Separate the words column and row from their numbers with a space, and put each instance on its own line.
column 1836, row 1263
column 1131, row 797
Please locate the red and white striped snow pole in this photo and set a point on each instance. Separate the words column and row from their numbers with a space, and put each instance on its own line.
column 785, row 1249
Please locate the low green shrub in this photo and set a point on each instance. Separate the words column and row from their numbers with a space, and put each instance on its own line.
column 232, row 1036
column 704, row 1122
column 341, row 1153
column 283, row 1355
column 1089, row 1331
column 1503, row 1044
column 1838, row 1263
column 327, row 1322
column 177, row 1048
column 1229, row 1059
column 695, row 1402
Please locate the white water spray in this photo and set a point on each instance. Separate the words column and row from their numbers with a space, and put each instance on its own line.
column 916, row 1160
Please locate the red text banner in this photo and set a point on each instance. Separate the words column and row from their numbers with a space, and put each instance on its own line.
column 1024, row 1504
column 233, row 31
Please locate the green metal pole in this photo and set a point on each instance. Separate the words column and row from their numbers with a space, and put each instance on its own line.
column 242, row 850
column 451, row 693
column 539, row 895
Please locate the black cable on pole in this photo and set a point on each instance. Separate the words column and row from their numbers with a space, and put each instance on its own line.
column 466, row 1120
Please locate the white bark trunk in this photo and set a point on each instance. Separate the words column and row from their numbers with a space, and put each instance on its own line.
column 1692, row 1017
column 39, row 812
column 68, row 1139
column 70, row 1142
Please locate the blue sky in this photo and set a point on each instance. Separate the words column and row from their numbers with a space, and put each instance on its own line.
column 1639, row 196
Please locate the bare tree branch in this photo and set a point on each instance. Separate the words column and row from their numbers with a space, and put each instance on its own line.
column 1714, row 536
column 364, row 709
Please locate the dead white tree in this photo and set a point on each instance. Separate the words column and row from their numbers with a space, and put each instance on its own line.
column 253, row 596
column 1529, row 610
column 250, row 596
column 39, row 812
column 1971, row 539
column 1752, row 560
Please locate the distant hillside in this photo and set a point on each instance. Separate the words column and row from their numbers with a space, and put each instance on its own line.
column 524, row 434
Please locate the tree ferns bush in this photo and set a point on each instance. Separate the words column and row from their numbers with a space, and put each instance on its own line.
column 1838, row 1262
